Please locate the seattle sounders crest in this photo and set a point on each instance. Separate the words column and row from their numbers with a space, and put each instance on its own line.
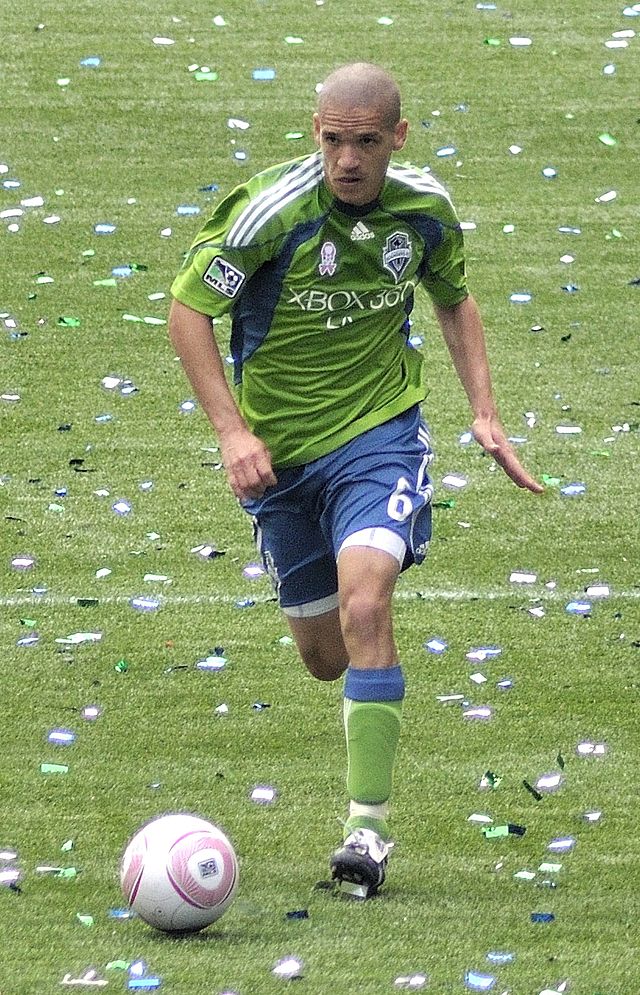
column 396, row 254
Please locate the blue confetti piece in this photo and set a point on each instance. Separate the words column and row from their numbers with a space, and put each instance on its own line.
column 104, row 228
column 573, row 490
column 578, row 608
column 143, row 604
column 213, row 187
column 121, row 271
column 121, row 914
column 187, row 209
column 446, row 151
column 92, row 61
column 477, row 982
column 144, row 984
column 263, row 74
column 61, row 737
column 500, row 957
column 542, row 917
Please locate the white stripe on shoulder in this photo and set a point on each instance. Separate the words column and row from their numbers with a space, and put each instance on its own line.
column 414, row 178
column 293, row 184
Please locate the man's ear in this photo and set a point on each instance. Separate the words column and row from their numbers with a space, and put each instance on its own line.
column 316, row 128
column 400, row 134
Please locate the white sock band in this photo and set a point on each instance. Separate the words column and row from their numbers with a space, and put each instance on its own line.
column 369, row 811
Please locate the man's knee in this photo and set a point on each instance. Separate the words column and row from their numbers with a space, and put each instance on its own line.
column 363, row 613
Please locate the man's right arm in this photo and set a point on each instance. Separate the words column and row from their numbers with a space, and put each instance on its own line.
column 246, row 459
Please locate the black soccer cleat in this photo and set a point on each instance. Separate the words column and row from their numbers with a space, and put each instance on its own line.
column 359, row 865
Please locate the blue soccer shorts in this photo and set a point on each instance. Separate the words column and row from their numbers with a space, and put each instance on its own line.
column 373, row 491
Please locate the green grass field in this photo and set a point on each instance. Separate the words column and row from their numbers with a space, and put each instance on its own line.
column 128, row 143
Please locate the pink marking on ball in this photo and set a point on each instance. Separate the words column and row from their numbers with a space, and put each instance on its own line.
column 189, row 889
column 131, row 874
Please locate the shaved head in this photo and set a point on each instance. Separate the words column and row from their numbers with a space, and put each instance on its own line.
column 362, row 84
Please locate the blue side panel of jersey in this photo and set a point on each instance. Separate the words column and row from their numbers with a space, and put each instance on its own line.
column 253, row 313
column 430, row 231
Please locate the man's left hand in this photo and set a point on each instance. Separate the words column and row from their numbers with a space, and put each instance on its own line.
column 489, row 433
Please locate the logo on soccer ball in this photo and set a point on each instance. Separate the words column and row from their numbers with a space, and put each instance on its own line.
column 396, row 254
column 223, row 277
column 327, row 265
column 208, row 868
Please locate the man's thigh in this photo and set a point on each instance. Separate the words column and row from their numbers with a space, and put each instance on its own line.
column 379, row 493
column 293, row 547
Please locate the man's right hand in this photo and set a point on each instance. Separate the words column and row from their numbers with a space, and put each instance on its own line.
column 247, row 463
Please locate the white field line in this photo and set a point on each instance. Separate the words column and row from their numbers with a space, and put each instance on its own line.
column 452, row 594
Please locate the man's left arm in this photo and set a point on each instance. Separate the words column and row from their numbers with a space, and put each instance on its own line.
column 463, row 333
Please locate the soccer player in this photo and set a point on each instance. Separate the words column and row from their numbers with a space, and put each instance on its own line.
column 317, row 261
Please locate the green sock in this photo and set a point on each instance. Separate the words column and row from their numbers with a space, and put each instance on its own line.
column 372, row 730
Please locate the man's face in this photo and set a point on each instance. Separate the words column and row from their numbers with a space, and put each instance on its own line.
column 356, row 143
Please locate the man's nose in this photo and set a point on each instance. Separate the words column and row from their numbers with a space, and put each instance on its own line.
column 348, row 157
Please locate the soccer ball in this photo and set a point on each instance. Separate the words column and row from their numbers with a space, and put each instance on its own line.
column 179, row 873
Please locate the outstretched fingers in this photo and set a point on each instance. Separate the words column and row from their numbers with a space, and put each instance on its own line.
column 488, row 432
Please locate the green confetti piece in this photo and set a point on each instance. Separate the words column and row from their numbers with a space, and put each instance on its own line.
column 203, row 77
column 89, row 252
column 494, row 42
column 54, row 768
column 131, row 317
column 31, row 622
column 549, row 481
column 607, row 139
column 109, row 282
column 43, row 278
column 385, row 21
column 550, row 868
column 293, row 136
column 600, row 452
column 66, row 846
column 68, row 321
column 118, row 965
column 294, row 40
column 67, row 872
column 121, row 666
column 492, row 832
column 84, row 920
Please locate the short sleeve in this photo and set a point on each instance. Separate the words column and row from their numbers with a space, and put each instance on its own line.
column 215, row 271
column 445, row 278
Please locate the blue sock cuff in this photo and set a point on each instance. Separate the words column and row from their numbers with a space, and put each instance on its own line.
column 381, row 684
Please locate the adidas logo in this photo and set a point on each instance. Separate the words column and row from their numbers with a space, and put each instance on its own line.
column 361, row 232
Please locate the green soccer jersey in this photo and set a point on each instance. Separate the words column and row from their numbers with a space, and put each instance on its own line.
column 320, row 294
